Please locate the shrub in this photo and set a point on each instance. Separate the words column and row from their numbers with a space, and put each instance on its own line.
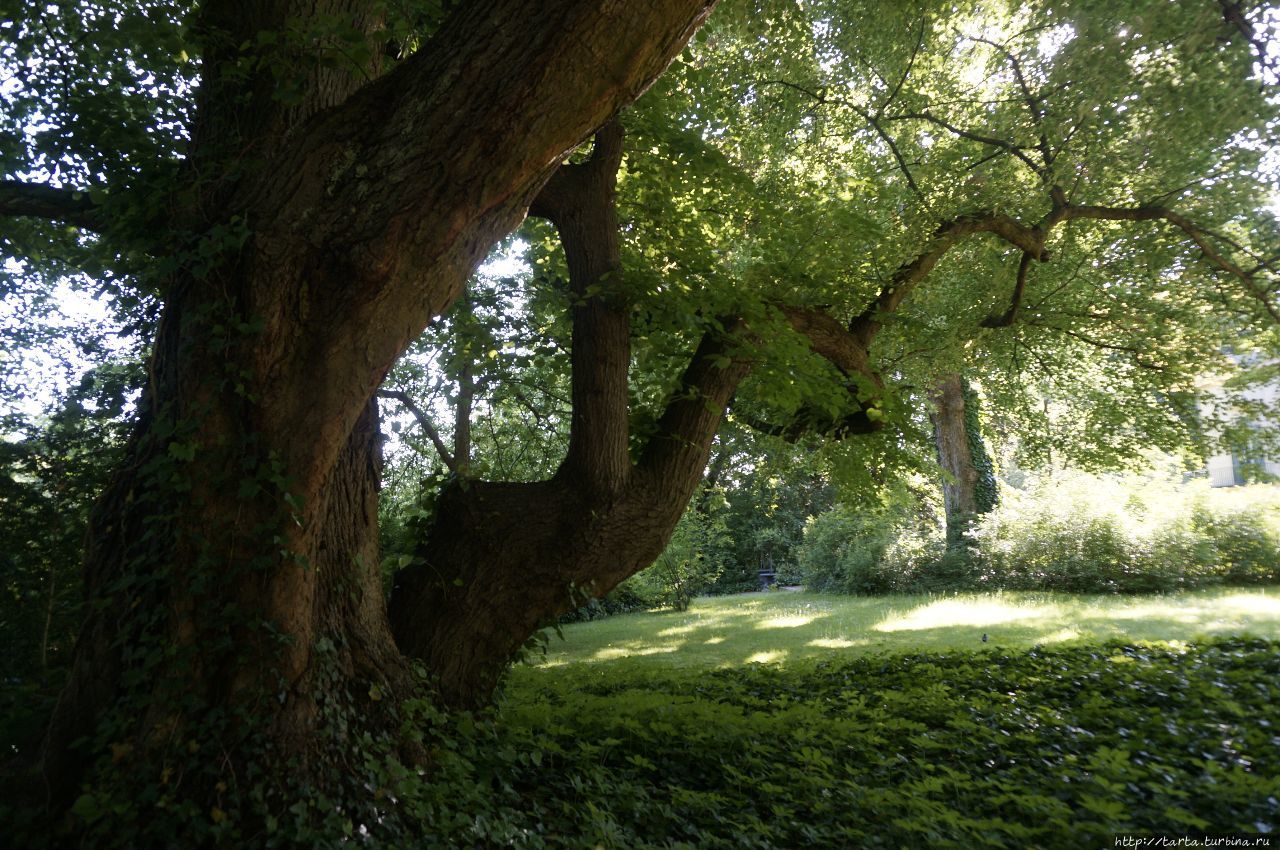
column 685, row 569
column 847, row 552
column 1244, row 544
column 631, row 595
column 1074, row 532
column 1129, row 534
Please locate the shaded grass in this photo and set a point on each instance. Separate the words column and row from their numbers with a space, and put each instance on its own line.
column 780, row 627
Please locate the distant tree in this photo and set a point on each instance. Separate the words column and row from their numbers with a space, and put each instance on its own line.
column 969, row 485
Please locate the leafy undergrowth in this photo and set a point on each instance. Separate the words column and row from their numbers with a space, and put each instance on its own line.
column 1062, row 747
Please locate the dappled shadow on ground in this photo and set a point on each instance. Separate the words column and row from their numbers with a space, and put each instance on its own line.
column 781, row 627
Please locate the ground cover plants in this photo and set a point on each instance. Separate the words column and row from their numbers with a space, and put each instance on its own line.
column 1012, row 742
column 1048, row 747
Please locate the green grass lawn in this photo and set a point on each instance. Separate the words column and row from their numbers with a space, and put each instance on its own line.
column 782, row 626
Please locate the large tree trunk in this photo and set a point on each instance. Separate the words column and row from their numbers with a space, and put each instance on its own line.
column 233, row 574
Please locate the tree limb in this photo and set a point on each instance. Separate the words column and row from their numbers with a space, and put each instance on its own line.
column 810, row 420
column 830, row 339
column 424, row 422
column 683, row 438
column 579, row 201
column 1133, row 350
column 862, row 113
column 1014, row 150
column 55, row 203
column 1232, row 14
column 1199, row 235
column 909, row 274
column 1033, row 103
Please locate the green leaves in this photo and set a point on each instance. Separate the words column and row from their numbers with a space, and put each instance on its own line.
column 1044, row 748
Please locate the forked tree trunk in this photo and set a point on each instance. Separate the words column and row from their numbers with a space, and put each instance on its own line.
column 502, row 560
column 233, row 572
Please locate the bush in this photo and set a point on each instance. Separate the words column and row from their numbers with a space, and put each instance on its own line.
column 1244, row 545
column 847, row 552
column 686, row 568
column 1116, row 534
column 628, row 597
column 1074, row 532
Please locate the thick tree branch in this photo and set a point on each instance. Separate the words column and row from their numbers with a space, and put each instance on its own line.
column 580, row 201
column 680, row 446
column 908, row 275
column 832, row 340
column 40, row 200
column 424, row 422
column 408, row 182
column 810, row 420
column 1031, row 241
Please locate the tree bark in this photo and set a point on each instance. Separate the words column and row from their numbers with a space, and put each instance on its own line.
column 233, row 571
column 955, row 456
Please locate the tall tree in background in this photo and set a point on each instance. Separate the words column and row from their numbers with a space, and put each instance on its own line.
column 968, row 484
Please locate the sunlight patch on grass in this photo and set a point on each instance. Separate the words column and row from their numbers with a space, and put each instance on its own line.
column 722, row 631
column 1059, row 636
column 611, row 652
column 964, row 612
column 676, row 631
column 1166, row 611
column 836, row 643
column 767, row 657
column 791, row 621
column 1249, row 604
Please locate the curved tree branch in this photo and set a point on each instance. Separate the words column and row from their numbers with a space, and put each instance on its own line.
column 908, row 275
column 424, row 422
column 1199, row 235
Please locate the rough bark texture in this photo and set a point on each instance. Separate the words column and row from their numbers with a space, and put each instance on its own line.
column 365, row 205
column 955, row 456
